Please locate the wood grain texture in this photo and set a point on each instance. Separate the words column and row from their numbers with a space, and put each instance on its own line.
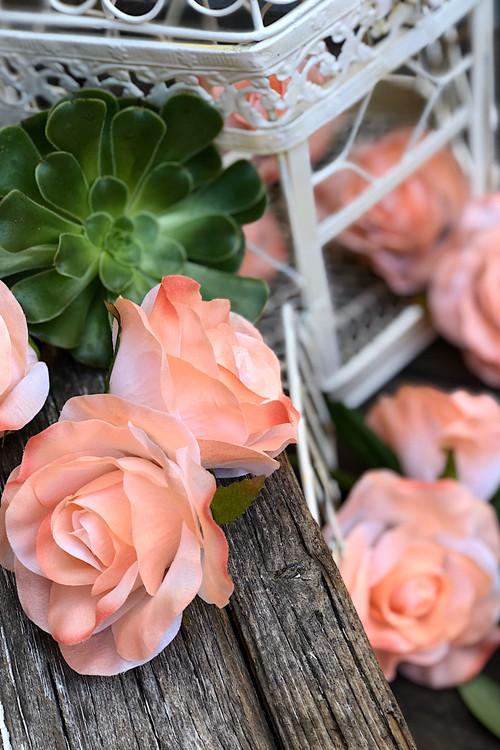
column 285, row 665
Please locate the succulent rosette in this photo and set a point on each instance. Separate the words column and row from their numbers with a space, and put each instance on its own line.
column 103, row 197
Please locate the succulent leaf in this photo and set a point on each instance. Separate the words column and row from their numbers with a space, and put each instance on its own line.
column 35, row 128
column 110, row 195
column 38, row 256
column 103, row 197
column 19, row 157
column 76, row 126
column 182, row 115
column 47, row 294
column 164, row 186
column 135, row 134
column 62, row 183
column 75, row 255
column 24, row 223
column 66, row 330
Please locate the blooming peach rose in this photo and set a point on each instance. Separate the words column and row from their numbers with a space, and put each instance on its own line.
column 107, row 526
column 210, row 368
column 421, row 566
column 267, row 236
column 404, row 233
column 420, row 424
column 463, row 294
column 24, row 381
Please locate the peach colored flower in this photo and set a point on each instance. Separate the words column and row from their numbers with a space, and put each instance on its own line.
column 107, row 526
column 267, row 236
column 24, row 381
column 404, row 233
column 210, row 368
column 421, row 565
column 463, row 294
column 420, row 423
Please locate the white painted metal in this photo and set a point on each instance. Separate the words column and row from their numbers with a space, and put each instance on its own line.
column 282, row 70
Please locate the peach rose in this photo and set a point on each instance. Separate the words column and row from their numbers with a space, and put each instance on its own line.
column 107, row 526
column 267, row 236
column 420, row 424
column 24, row 381
column 463, row 294
column 402, row 234
column 210, row 368
column 421, row 566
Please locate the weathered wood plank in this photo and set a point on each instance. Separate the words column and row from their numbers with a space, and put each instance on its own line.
column 285, row 665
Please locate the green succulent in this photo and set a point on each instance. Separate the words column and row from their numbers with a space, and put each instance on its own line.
column 102, row 196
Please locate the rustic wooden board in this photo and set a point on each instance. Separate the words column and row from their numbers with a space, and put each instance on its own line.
column 285, row 665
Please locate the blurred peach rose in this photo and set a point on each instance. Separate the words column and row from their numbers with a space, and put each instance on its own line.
column 420, row 424
column 24, row 381
column 267, row 236
column 107, row 526
column 403, row 234
column 463, row 294
column 209, row 367
column 421, row 566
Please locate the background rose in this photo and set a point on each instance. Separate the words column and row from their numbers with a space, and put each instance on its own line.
column 209, row 367
column 107, row 526
column 403, row 233
column 420, row 423
column 463, row 294
column 24, row 381
column 421, row 565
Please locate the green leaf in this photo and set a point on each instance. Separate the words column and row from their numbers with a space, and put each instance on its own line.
column 105, row 161
column 209, row 240
column 114, row 276
column 351, row 428
column 75, row 255
column 164, row 186
column 45, row 295
column 163, row 259
column 145, row 228
column 252, row 214
column 237, row 189
column 24, row 223
column 247, row 296
column 97, row 227
column 38, row 256
column 482, row 697
column 76, row 126
column 108, row 195
column 61, row 182
column 450, row 469
column 18, row 161
column 135, row 134
column 95, row 345
column 191, row 126
column 204, row 166
column 67, row 328
column 231, row 501
column 35, row 127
